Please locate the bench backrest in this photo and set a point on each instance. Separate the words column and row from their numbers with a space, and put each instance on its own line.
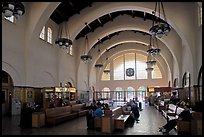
column 57, row 110
column 117, row 112
column 78, row 107
column 179, row 110
column 172, row 107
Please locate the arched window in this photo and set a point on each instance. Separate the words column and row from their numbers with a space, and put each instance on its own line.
column 118, row 94
column 11, row 19
column 106, row 75
column 42, row 34
column 175, row 82
column 141, row 93
column 156, row 73
column 130, row 93
column 118, row 65
column 105, row 93
column 141, row 66
column 49, row 35
column 130, row 66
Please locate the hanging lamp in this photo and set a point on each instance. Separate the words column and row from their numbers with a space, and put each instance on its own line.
column 159, row 28
column 85, row 57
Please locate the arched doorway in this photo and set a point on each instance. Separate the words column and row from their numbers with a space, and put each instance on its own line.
column 6, row 93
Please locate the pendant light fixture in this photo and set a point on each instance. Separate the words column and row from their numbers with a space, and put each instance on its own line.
column 85, row 57
column 63, row 41
column 159, row 28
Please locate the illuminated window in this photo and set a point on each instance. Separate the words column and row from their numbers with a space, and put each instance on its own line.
column 118, row 65
column 118, row 94
column 42, row 34
column 105, row 93
column 70, row 50
column 199, row 15
column 130, row 63
column 11, row 19
column 130, row 93
column 156, row 73
column 141, row 66
column 106, row 76
column 49, row 35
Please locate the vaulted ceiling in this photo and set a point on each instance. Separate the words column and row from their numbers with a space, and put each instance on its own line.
column 67, row 9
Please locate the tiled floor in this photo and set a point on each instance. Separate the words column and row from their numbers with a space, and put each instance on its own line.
column 150, row 120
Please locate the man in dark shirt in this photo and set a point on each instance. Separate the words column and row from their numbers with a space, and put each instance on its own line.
column 185, row 115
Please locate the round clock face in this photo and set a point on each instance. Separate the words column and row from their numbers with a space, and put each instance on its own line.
column 130, row 72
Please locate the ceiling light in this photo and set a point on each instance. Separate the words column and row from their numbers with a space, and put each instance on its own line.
column 63, row 42
column 15, row 9
column 159, row 28
column 86, row 58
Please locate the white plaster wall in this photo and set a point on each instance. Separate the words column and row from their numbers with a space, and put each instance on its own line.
column 13, row 56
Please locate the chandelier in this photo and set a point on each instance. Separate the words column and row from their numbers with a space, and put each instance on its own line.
column 63, row 42
column 150, row 59
column 153, row 46
column 106, row 71
column 99, row 65
column 159, row 28
column 86, row 58
column 15, row 9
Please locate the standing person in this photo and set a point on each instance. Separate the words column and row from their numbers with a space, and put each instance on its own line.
column 135, row 111
column 185, row 115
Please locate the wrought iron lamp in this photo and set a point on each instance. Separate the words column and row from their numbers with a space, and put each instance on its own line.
column 159, row 28
column 106, row 70
column 13, row 8
column 63, row 42
column 86, row 58
column 153, row 47
column 99, row 65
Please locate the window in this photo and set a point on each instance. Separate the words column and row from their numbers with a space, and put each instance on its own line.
column 199, row 15
column 70, row 50
column 156, row 73
column 130, row 63
column 118, row 65
column 106, row 76
column 141, row 66
column 49, row 35
column 42, row 34
column 46, row 35
column 11, row 19
column 131, row 66
column 130, row 93
column 105, row 93
column 118, row 96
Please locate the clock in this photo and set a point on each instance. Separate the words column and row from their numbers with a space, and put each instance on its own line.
column 130, row 72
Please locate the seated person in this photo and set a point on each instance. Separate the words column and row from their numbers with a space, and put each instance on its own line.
column 98, row 112
column 106, row 107
column 185, row 115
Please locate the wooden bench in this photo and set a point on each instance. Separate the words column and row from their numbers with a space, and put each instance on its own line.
column 120, row 118
column 59, row 114
column 79, row 109
column 183, row 127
